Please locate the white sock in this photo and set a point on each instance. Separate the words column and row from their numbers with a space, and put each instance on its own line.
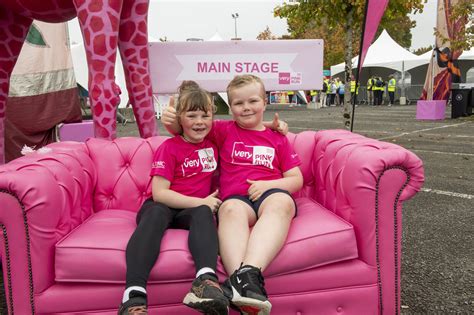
column 204, row 270
column 126, row 294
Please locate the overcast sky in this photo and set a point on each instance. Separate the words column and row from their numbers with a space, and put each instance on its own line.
column 180, row 19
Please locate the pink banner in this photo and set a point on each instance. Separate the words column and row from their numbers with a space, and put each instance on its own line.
column 281, row 64
column 375, row 11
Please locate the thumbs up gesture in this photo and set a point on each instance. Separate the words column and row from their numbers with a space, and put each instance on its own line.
column 279, row 125
column 168, row 117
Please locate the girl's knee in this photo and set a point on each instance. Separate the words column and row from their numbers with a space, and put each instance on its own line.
column 203, row 213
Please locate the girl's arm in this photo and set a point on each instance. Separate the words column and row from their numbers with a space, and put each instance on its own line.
column 292, row 181
column 161, row 192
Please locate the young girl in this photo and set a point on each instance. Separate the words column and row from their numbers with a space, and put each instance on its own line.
column 258, row 173
column 182, row 171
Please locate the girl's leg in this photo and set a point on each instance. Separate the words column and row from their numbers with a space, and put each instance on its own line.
column 205, row 294
column 202, row 239
column 144, row 245
column 269, row 233
column 235, row 217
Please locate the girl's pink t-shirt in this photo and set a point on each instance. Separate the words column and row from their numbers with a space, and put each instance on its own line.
column 188, row 166
column 249, row 154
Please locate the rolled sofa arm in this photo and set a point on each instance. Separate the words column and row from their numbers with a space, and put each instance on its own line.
column 365, row 181
column 42, row 197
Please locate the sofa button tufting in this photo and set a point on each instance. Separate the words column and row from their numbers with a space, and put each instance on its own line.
column 127, row 164
column 299, row 313
column 339, row 309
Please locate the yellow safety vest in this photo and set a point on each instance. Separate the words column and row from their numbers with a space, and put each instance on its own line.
column 370, row 84
column 353, row 87
column 290, row 93
column 313, row 92
column 391, row 85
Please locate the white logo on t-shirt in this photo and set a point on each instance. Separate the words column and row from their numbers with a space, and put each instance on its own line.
column 158, row 164
column 252, row 155
column 201, row 161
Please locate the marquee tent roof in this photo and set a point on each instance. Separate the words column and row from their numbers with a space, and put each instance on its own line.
column 385, row 52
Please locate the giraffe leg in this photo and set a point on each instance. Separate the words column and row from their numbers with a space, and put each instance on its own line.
column 13, row 31
column 99, row 21
column 133, row 44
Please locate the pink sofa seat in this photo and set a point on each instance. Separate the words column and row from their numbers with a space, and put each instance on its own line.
column 104, row 236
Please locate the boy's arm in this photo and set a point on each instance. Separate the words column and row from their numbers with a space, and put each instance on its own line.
column 277, row 125
column 161, row 192
column 292, row 181
column 169, row 119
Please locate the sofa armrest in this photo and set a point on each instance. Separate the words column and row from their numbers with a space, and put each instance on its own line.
column 43, row 197
column 365, row 181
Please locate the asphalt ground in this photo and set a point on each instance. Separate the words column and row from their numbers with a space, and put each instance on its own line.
column 438, row 238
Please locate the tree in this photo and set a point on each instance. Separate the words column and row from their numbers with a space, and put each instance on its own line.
column 346, row 16
column 266, row 35
column 462, row 13
column 422, row 50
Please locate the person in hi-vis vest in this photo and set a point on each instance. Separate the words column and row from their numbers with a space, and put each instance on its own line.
column 391, row 87
column 370, row 90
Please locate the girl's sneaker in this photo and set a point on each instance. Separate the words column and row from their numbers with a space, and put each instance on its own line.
column 136, row 305
column 206, row 296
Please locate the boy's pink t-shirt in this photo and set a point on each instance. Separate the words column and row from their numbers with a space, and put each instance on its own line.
column 188, row 166
column 249, row 154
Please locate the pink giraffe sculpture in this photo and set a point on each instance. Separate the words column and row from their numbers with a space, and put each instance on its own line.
column 105, row 24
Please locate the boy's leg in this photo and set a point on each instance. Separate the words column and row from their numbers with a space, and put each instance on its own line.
column 235, row 217
column 269, row 233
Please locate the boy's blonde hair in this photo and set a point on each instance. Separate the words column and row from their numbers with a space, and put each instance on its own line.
column 242, row 80
column 192, row 97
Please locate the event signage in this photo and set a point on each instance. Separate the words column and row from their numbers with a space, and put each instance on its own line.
column 282, row 64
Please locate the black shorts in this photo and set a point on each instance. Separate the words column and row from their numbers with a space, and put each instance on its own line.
column 256, row 205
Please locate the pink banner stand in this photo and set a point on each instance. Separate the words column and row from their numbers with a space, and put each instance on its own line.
column 430, row 110
column 76, row 131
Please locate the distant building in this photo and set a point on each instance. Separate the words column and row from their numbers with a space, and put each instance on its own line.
column 192, row 39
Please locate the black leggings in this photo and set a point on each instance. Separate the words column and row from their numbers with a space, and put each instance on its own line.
column 152, row 221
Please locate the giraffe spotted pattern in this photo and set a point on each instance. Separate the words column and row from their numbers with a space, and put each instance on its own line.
column 106, row 25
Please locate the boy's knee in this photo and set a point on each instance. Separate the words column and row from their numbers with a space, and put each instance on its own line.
column 280, row 204
column 232, row 208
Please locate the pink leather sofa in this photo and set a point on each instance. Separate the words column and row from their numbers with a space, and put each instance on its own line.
column 66, row 217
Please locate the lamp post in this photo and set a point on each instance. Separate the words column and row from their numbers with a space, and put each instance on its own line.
column 235, row 16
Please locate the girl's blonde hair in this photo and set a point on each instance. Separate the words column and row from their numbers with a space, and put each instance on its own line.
column 192, row 97
column 242, row 80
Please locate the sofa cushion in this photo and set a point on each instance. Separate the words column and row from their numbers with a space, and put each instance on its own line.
column 95, row 251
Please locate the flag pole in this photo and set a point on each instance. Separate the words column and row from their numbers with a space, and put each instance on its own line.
column 359, row 68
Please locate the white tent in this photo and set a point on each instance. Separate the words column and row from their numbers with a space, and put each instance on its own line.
column 385, row 52
column 467, row 54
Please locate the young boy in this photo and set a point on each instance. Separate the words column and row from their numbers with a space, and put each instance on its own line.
column 258, row 173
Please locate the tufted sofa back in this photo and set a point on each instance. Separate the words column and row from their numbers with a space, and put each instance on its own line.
column 123, row 171
column 123, row 168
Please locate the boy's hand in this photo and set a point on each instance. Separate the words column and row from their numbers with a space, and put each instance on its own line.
column 256, row 189
column 212, row 201
column 279, row 125
column 168, row 117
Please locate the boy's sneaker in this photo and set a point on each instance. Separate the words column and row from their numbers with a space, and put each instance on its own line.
column 248, row 291
column 136, row 305
column 206, row 296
